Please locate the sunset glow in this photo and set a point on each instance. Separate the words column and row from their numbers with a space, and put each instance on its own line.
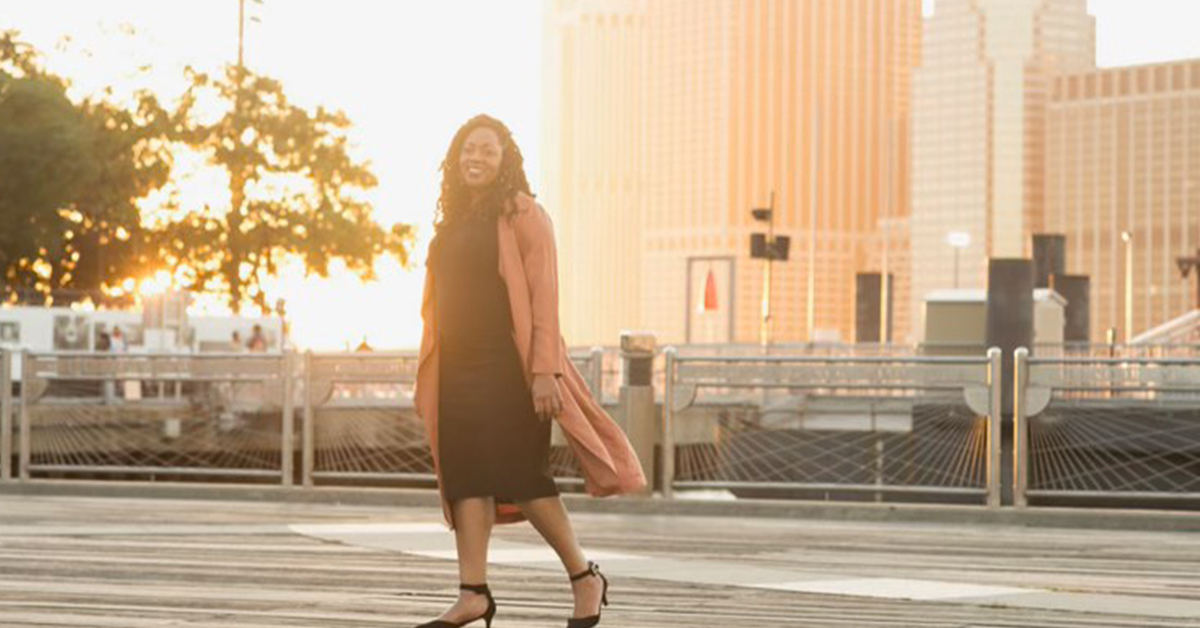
column 406, row 74
column 373, row 61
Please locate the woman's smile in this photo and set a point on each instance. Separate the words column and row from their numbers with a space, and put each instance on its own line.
column 480, row 159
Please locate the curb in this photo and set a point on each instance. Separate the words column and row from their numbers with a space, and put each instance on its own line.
column 1038, row 517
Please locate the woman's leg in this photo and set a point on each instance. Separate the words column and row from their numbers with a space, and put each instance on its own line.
column 473, row 521
column 549, row 517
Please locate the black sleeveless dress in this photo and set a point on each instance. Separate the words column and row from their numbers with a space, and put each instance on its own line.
column 490, row 440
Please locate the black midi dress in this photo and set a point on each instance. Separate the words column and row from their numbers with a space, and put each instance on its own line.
column 490, row 441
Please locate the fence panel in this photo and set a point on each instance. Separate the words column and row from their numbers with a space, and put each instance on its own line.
column 155, row 415
column 831, row 426
column 1107, row 428
column 7, row 435
column 359, row 420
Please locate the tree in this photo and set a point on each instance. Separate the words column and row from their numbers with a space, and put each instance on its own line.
column 293, row 190
column 70, row 177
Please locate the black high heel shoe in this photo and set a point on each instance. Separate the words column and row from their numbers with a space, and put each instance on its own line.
column 487, row 615
column 588, row 622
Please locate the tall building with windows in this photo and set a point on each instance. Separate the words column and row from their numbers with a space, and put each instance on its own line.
column 979, row 130
column 594, row 161
column 668, row 120
column 1123, row 155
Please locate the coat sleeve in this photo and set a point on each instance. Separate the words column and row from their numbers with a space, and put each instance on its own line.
column 539, row 258
column 429, row 331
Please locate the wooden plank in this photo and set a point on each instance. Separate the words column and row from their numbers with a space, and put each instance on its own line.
column 266, row 576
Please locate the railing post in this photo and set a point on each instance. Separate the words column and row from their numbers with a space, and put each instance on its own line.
column 668, row 423
column 1020, row 428
column 6, row 448
column 637, row 411
column 308, row 457
column 287, row 442
column 597, row 374
column 995, row 425
column 23, row 444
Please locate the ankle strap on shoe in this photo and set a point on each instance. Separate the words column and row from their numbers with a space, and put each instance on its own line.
column 481, row 589
column 592, row 570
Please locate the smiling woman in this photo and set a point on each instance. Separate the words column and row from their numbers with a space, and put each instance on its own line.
column 493, row 372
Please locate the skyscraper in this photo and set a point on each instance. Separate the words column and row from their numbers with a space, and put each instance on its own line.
column 716, row 105
column 1123, row 155
column 979, row 130
column 594, row 156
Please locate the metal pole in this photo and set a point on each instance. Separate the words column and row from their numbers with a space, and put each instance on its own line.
column 955, row 267
column 241, row 29
column 597, row 374
column 884, row 288
column 5, row 415
column 23, row 444
column 812, row 226
column 308, row 457
column 1128, row 239
column 668, row 431
column 1020, row 428
column 995, row 425
column 288, row 420
column 764, row 331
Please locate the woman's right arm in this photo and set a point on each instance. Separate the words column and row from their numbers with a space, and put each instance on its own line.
column 429, row 330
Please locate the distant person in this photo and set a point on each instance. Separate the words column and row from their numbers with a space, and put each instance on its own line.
column 104, row 342
column 486, row 400
column 117, row 341
column 235, row 343
column 257, row 342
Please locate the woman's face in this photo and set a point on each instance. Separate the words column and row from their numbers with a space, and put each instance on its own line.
column 479, row 162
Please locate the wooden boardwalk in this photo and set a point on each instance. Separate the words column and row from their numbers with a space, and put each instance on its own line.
column 133, row 563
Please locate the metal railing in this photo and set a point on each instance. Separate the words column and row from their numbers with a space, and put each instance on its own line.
column 1103, row 350
column 835, row 424
column 226, row 415
column 1085, row 425
column 6, row 415
column 598, row 367
column 160, row 414
column 1104, row 428
column 359, row 422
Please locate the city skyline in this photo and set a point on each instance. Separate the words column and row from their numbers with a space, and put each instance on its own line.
column 363, row 36
column 678, row 116
column 1124, row 158
column 979, row 130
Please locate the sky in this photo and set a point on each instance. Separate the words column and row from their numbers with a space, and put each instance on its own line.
column 407, row 74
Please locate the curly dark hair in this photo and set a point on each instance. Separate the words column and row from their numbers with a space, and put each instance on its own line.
column 454, row 204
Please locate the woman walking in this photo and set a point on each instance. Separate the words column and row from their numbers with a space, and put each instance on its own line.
column 493, row 372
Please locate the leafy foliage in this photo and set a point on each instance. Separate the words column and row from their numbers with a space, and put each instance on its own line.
column 72, row 175
column 293, row 190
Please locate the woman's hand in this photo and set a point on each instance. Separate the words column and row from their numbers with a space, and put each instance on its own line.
column 547, row 400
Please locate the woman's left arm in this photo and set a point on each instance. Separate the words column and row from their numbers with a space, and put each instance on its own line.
column 539, row 258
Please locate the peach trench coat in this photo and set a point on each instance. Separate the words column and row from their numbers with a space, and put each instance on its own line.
column 528, row 267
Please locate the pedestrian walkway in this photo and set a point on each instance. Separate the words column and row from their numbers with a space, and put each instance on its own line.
column 78, row 561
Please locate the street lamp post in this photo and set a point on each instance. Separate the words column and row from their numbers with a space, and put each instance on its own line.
column 1186, row 265
column 769, row 247
column 765, row 331
column 1127, row 238
column 958, row 240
